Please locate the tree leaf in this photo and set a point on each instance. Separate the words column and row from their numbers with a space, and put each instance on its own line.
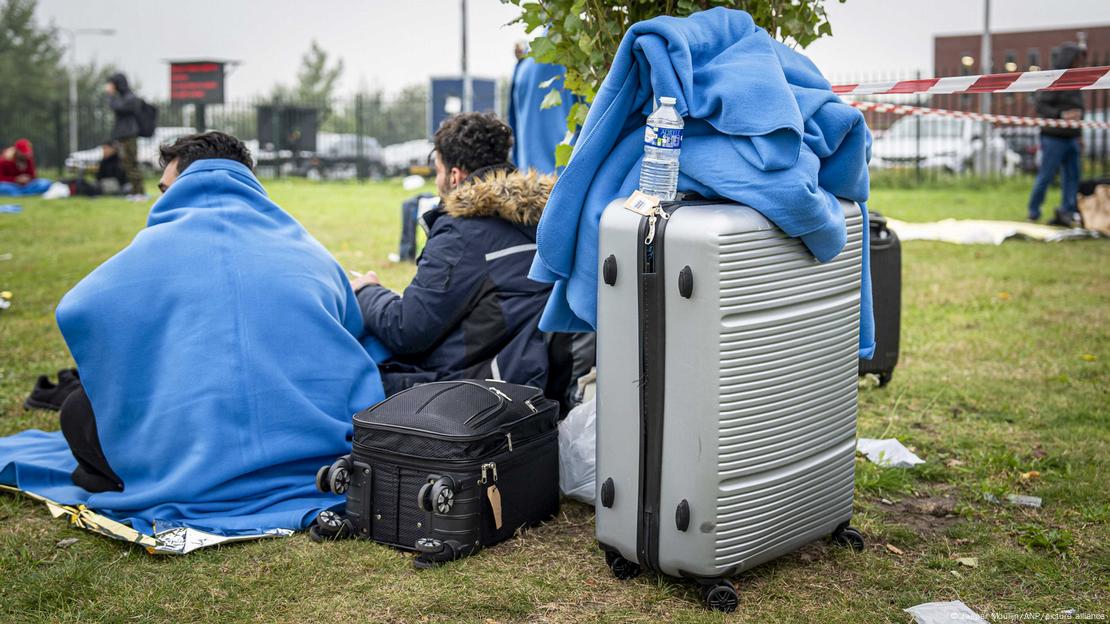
column 583, row 36
column 562, row 154
column 552, row 99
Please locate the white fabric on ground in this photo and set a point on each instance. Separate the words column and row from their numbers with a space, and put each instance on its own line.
column 982, row 232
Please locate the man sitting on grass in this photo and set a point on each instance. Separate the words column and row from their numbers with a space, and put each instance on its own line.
column 470, row 311
column 219, row 362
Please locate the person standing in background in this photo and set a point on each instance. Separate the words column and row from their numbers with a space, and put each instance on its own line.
column 1060, row 147
column 537, row 130
column 126, row 106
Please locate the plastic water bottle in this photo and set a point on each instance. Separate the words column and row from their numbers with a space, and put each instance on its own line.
column 662, row 145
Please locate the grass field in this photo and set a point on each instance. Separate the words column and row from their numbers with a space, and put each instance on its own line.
column 1003, row 387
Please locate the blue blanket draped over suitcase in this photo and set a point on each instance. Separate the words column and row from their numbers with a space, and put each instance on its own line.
column 220, row 352
column 762, row 128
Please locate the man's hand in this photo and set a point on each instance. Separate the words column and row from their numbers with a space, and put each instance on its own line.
column 368, row 278
column 22, row 178
column 1072, row 114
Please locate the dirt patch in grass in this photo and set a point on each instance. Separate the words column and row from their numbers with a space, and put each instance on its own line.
column 928, row 515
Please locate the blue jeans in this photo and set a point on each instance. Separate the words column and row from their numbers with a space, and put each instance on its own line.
column 1057, row 153
column 37, row 186
column 409, row 216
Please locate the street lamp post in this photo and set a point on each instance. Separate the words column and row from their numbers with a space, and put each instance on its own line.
column 986, row 130
column 72, row 33
column 468, row 85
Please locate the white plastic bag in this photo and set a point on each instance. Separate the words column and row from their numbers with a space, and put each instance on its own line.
column 944, row 613
column 577, row 448
column 888, row 453
column 57, row 190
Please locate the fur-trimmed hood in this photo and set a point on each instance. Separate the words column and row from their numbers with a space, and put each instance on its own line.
column 511, row 195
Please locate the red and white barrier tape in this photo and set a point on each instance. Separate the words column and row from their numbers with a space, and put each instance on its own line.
column 1010, row 120
column 1084, row 78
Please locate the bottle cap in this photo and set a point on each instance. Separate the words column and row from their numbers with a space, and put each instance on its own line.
column 667, row 101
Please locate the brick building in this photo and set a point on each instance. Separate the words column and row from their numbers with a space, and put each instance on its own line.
column 1031, row 50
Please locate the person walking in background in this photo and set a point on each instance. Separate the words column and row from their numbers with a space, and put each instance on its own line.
column 1060, row 147
column 126, row 106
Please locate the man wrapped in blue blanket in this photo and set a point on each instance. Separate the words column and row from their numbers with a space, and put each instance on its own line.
column 763, row 128
column 219, row 359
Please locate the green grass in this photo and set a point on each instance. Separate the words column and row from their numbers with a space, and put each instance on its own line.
column 1005, row 370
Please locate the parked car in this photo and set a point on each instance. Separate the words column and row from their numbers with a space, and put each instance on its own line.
column 401, row 158
column 86, row 160
column 1025, row 142
column 945, row 143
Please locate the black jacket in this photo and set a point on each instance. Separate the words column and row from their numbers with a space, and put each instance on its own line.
column 1053, row 103
column 470, row 311
column 126, row 105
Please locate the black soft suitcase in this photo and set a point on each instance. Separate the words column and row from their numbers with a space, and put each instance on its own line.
column 886, row 297
column 447, row 468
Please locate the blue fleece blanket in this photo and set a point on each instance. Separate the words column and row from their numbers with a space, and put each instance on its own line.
column 537, row 130
column 221, row 356
column 762, row 128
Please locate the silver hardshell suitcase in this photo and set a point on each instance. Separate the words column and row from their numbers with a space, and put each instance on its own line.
column 726, row 393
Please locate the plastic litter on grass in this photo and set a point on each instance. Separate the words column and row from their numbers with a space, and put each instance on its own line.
column 888, row 453
column 1016, row 499
column 944, row 613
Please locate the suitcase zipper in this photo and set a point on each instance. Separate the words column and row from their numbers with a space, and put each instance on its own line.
column 652, row 221
column 652, row 323
column 510, row 447
column 415, row 461
column 445, row 437
column 480, row 418
column 501, row 396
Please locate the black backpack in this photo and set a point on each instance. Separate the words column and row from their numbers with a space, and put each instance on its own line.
column 148, row 118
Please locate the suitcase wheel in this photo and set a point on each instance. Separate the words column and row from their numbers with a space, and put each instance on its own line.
column 434, row 552
column 438, row 494
column 329, row 526
column 721, row 597
column 429, row 545
column 443, row 495
column 322, row 479
column 884, row 378
column 621, row 568
column 845, row 535
column 422, row 500
column 339, row 476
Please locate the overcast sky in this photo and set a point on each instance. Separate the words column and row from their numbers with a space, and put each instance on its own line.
column 394, row 43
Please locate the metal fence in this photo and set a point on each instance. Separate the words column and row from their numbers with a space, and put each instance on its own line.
column 373, row 136
column 364, row 136
column 916, row 149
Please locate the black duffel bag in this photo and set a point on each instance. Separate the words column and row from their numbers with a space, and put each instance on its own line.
column 446, row 469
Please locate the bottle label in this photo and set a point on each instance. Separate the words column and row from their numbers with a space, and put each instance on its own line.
column 666, row 138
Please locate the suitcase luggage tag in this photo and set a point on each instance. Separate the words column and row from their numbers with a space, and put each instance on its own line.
column 646, row 206
column 493, row 495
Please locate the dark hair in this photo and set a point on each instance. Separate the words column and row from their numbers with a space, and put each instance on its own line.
column 191, row 148
column 471, row 141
